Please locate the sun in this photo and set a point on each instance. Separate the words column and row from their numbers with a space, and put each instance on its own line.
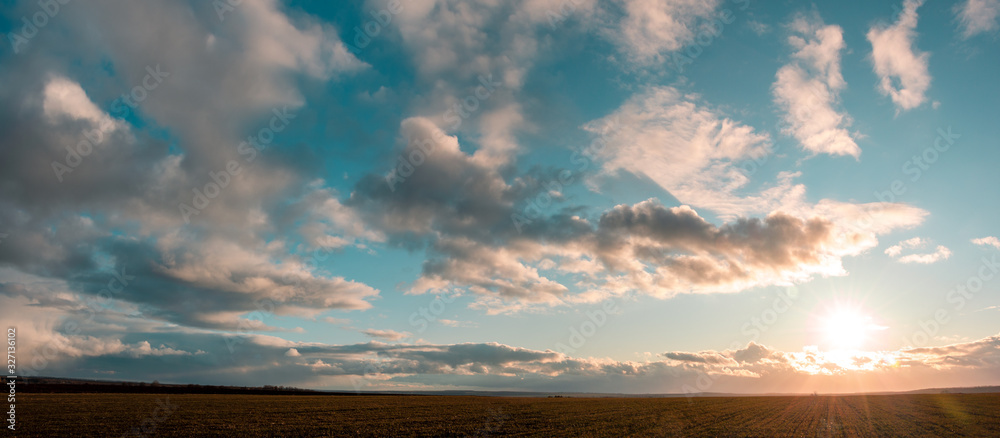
column 847, row 329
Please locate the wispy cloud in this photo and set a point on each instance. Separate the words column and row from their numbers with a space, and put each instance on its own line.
column 454, row 323
column 389, row 335
column 978, row 16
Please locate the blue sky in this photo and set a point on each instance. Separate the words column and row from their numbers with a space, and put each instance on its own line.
column 624, row 196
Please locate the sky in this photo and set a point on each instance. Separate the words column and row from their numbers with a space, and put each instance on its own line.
column 627, row 196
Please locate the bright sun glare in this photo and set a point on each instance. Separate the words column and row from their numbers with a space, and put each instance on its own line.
column 847, row 329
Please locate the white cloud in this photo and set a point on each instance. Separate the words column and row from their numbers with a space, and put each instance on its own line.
column 940, row 253
column 988, row 240
column 895, row 251
column 901, row 68
column 286, row 283
column 807, row 89
column 652, row 28
column 63, row 98
column 978, row 16
column 688, row 149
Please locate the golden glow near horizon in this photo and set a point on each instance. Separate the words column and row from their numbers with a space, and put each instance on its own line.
column 845, row 332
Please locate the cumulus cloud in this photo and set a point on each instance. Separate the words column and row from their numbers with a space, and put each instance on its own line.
column 808, row 89
column 645, row 248
column 978, row 16
column 458, row 46
column 668, row 250
column 901, row 68
column 895, row 251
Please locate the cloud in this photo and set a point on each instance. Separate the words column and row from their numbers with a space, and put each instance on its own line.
column 206, row 273
column 116, row 342
column 457, row 46
column 644, row 248
column 650, row 29
column 808, row 89
column 692, row 151
column 758, row 27
column 332, row 320
column 670, row 250
column 754, row 368
column 453, row 323
column 389, row 335
column 941, row 253
column 460, row 209
column 902, row 69
column 895, row 251
column 988, row 240
column 705, row 159
column 978, row 16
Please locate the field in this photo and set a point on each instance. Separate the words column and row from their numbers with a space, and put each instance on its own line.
column 184, row 415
